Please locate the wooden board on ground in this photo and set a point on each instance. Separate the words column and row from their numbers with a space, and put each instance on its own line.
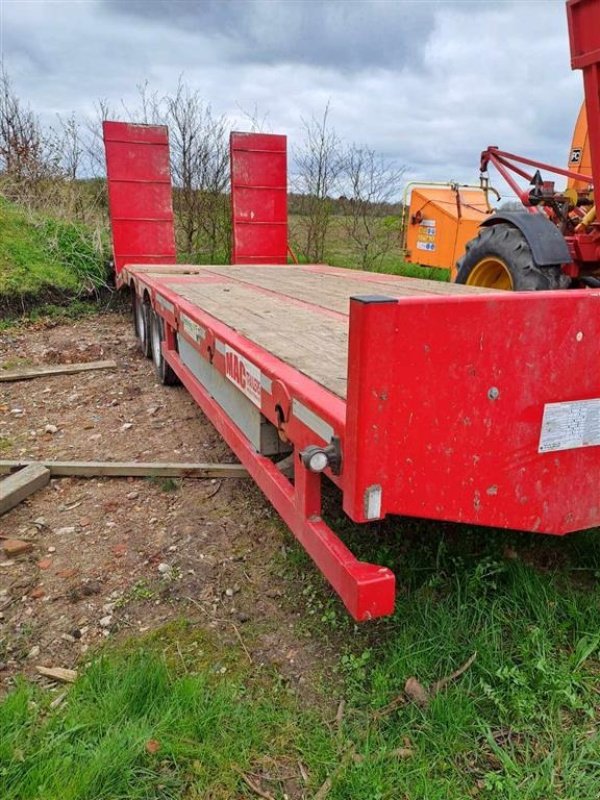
column 58, row 674
column 56, row 369
column 21, row 484
column 130, row 469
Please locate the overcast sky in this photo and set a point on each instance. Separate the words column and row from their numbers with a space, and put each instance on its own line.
column 426, row 83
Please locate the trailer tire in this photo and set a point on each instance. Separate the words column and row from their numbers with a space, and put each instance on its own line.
column 141, row 323
column 500, row 258
column 164, row 371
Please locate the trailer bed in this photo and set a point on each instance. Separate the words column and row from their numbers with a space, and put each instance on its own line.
column 297, row 313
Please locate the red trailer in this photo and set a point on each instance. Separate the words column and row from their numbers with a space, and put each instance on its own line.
column 415, row 398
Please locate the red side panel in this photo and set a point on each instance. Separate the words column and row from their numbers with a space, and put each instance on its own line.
column 482, row 409
column 139, row 193
column 584, row 34
column 259, row 198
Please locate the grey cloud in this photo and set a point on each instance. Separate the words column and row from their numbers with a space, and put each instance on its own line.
column 331, row 33
column 462, row 77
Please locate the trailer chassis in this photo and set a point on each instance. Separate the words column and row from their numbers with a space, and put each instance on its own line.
column 470, row 406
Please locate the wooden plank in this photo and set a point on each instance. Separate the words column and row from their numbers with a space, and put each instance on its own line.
column 255, row 301
column 58, row 674
column 17, row 487
column 303, row 336
column 127, row 469
column 56, row 369
column 344, row 282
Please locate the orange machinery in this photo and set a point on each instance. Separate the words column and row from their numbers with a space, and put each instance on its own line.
column 442, row 217
column 580, row 155
column 440, row 220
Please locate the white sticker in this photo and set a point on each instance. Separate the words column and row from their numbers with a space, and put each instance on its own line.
column 244, row 374
column 195, row 331
column 567, row 426
column 373, row 501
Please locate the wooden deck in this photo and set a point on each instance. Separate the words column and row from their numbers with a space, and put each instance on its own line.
column 297, row 313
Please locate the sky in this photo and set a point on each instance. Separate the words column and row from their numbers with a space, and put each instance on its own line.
column 426, row 84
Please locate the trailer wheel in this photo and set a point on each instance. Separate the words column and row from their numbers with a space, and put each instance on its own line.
column 141, row 321
column 501, row 258
column 163, row 370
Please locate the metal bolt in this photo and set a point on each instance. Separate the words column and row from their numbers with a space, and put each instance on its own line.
column 494, row 393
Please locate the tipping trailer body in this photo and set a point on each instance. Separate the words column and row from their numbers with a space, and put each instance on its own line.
column 428, row 399
column 439, row 223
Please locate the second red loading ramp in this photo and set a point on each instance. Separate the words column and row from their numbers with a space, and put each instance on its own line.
column 259, row 198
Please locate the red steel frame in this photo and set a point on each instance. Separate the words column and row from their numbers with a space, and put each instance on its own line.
column 442, row 419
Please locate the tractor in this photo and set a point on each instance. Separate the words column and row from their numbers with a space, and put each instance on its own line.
column 554, row 241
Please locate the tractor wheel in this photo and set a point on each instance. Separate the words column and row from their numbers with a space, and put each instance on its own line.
column 501, row 258
column 164, row 371
column 141, row 322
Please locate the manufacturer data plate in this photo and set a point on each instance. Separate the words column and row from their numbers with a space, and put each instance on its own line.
column 568, row 426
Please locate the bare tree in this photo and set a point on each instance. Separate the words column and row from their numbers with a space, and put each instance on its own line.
column 93, row 159
column 318, row 166
column 200, row 166
column 373, row 184
column 28, row 155
column 258, row 122
column 71, row 146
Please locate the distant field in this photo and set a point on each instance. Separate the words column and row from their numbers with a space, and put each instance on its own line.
column 339, row 251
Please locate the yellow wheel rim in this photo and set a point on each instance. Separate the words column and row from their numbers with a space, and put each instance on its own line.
column 492, row 273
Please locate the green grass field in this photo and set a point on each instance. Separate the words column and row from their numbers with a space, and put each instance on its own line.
column 44, row 259
column 177, row 715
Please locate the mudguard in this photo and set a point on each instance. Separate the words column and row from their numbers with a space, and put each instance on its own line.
column 548, row 246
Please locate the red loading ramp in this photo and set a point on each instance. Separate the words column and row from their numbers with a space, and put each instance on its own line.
column 259, row 198
column 139, row 193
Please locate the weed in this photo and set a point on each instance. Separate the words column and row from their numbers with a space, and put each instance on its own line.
column 139, row 591
column 15, row 363
column 5, row 444
column 166, row 484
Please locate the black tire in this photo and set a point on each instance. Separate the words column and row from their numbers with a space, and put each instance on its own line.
column 141, row 323
column 164, row 372
column 506, row 246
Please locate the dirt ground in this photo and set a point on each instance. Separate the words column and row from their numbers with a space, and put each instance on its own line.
column 116, row 557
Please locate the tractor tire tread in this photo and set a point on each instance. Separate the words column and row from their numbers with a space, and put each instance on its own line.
column 508, row 243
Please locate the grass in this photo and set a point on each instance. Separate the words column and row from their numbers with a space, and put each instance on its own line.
column 137, row 725
column 47, row 264
column 41, row 257
column 522, row 723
